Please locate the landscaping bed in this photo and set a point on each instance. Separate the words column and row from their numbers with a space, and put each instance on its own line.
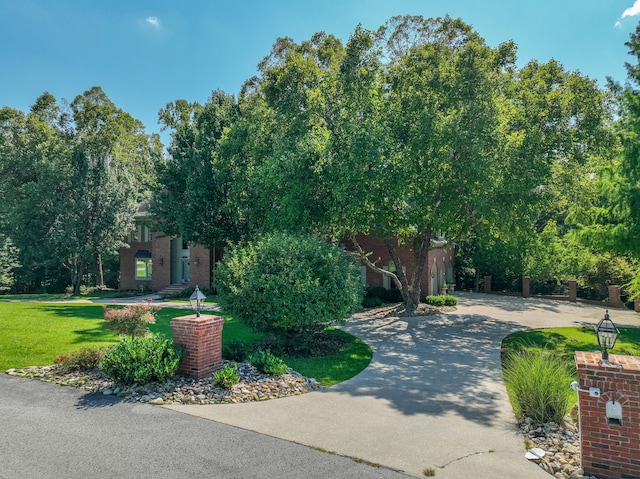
column 253, row 385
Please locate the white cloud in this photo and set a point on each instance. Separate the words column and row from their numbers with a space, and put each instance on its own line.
column 632, row 11
column 155, row 22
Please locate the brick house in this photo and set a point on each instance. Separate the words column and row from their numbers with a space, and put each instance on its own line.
column 156, row 262
column 438, row 270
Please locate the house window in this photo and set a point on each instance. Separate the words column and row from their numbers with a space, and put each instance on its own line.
column 141, row 233
column 143, row 265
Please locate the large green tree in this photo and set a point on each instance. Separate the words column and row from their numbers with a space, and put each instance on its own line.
column 611, row 222
column 416, row 131
column 192, row 192
column 73, row 178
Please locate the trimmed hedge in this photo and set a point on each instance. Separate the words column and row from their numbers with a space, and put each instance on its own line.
column 441, row 300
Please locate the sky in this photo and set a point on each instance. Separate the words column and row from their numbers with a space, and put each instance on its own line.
column 146, row 53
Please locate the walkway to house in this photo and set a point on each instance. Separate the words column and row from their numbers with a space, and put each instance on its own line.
column 432, row 397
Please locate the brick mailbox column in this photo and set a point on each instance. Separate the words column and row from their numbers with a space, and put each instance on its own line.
column 610, row 423
column 573, row 291
column 201, row 339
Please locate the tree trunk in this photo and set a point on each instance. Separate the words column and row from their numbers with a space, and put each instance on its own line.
column 99, row 271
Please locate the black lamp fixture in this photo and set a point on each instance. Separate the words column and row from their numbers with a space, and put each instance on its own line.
column 607, row 334
column 196, row 299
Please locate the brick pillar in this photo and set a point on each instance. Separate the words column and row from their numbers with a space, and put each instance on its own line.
column 487, row 284
column 614, row 297
column 610, row 447
column 636, row 305
column 526, row 286
column 573, row 291
column 201, row 339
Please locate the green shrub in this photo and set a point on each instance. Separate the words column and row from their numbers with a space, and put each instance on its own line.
column 227, row 376
column 377, row 292
column 268, row 363
column 293, row 286
column 141, row 360
column 83, row 358
column 235, row 350
column 441, row 300
column 394, row 295
column 371, row 302
column 538, row 385
column 131, row 321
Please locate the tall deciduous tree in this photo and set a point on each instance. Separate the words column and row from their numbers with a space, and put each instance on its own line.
column 414, row 131
column 74, row 178
column 612, row 222
column 192, row 193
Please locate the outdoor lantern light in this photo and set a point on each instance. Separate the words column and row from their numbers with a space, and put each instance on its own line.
column 196, row 299
column 607, row 334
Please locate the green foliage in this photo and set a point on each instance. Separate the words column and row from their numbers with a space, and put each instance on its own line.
column 288, row 285
column 380, row 295
column 235, row 350
column 227, row 376
column 607, row 270
column 8, row 264
column 141, row 360
column 538, row 386
column 266, row 362
column 132, row 320
column 371, row 302
column 83, row 358
column 72, row 176
column 441, row 300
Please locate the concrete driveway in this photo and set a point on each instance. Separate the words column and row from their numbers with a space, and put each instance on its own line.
column 432, row 397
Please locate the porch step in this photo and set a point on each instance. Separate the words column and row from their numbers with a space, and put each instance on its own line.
column 173, row 290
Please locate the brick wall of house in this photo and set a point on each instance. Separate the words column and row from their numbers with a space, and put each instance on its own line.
column 438, row 260
column 200, row 266
column 128, row 266
column 610, row 449
column 161, row 261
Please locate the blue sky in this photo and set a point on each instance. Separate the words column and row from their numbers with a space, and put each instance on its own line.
column 145, row 53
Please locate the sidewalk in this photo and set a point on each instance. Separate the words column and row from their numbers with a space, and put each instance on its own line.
column 432, row 397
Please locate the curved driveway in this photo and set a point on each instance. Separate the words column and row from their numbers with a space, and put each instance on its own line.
column 432, row 397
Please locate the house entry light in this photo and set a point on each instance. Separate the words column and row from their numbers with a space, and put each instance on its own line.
column 607, row 334
column 196, row 299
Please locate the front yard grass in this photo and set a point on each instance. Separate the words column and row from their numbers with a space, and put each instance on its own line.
column 566, row 341
column 35, row 333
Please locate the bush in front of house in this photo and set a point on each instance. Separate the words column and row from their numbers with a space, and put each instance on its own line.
column 537, row 384
column 441, row 300
column 235, row 350
column 142, row 360
column 289, row 286
column 83, row 358
column 227, row 376
column 268, row 363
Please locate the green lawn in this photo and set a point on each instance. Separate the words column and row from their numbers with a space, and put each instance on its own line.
column 33, row 334
column 566, row 341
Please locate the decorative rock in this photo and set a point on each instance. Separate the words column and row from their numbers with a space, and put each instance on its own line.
column 107, row 392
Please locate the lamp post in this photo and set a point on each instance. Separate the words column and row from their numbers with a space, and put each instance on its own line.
column 607, row 334
column 196, row 299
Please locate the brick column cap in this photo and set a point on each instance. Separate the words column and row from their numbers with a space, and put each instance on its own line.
column 204, row 318
column 593, row 361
